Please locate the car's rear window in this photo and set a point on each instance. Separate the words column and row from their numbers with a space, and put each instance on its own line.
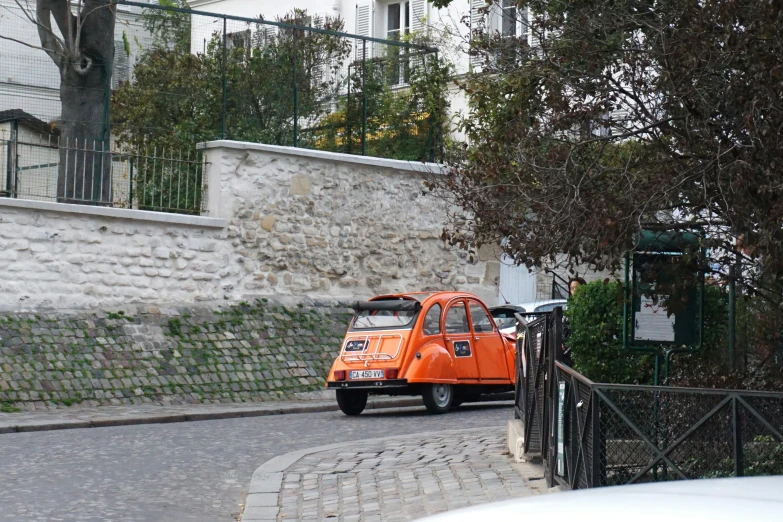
column 504, row 317
column 367, row 319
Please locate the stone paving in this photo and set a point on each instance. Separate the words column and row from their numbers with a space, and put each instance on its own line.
column 401, row 479
column 197, row 471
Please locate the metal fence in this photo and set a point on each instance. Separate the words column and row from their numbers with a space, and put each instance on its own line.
column 591, row 434
column 179, row 77
column 96, row 173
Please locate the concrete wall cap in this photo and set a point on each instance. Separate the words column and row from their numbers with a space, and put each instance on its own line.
column 412, row 166
column 117, row 213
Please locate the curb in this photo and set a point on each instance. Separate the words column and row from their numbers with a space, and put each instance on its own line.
column 267, row 481
column 262, row 411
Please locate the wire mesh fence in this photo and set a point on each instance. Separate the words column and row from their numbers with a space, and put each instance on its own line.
column 170, row 77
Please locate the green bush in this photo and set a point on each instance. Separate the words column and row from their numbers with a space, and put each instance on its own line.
column 595, row 317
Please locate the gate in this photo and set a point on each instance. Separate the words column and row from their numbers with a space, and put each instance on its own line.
column 541, row 340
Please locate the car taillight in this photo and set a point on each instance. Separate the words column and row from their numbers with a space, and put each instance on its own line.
column 391, row 373
column 339, row 375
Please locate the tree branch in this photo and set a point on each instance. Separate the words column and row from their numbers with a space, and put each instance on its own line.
column 66, row 23
column 49, row 41
column 24, row 43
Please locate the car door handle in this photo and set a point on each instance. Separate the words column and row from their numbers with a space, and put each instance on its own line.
column 448, row 340
column 476, row 339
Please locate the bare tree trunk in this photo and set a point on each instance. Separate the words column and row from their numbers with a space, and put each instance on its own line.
column 84, row 175
column 83, row 50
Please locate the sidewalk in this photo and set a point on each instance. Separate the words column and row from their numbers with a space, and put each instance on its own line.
column 393, row 479
column 76, row 417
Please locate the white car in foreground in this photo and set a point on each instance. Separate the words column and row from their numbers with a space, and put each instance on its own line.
column 752, row 499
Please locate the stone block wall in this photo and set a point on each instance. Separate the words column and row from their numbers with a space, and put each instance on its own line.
column 56, row 260
column 281, row 222
column 241, row 353
column 324, row 224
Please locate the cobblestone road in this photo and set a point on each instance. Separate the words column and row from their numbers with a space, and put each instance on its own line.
column 397, row 480
column 188, row 471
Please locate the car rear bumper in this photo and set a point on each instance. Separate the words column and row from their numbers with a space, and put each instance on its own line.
column 368, row 384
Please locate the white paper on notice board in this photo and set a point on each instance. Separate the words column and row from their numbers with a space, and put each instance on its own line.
column 652, row 322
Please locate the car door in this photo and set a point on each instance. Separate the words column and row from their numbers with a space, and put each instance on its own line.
column 490, row 347
column 459, row 340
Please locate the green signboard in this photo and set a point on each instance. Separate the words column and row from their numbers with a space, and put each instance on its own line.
column 667, row 290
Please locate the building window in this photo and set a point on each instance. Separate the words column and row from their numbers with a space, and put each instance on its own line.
column 398, row 23
column 238, row 40
column 508, row 18
column 121, row 67
column 398, row 20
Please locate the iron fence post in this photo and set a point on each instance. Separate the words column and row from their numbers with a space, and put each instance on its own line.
column 130, row 189
column 431, row 134
column 736, row 427
column 348, row 135
column 12, row 157
column 225, row 64
column 598, row 456
column 296, row 97
column 364, row 98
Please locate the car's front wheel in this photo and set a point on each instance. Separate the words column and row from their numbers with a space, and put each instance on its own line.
column 351, row 402
column 438, row 397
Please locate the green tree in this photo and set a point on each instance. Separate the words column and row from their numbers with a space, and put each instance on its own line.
column 403, row 95
column 176, row 98
column 622, row 115
column 595, row 316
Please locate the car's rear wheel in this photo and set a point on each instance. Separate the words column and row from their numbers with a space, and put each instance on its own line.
column 438, row 397
column 351, row 402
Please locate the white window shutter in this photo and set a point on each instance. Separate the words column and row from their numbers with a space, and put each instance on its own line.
column 364, row 15
column 418, row 14
column 262, row 35
column 524, row 22
column 495, row 19
column 477, row 23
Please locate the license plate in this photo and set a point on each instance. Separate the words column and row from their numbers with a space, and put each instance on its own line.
column 366, row 374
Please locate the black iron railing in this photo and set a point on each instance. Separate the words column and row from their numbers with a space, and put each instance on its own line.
column 593, row 434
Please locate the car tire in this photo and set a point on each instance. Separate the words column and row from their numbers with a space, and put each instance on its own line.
column 351, row 402
column 438, row 398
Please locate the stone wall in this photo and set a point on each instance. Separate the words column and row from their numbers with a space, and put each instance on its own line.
column 246, row 352
column 328, row 224
column 282, row 222
column 55, row 259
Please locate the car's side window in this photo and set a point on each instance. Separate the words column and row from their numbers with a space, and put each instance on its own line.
column 457, row 319
column 431, row 325
column 481, row 321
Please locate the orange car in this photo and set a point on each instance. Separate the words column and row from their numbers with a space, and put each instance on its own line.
column 443, row 346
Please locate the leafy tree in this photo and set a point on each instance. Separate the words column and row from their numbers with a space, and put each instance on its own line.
column 403, row 96
column 176, row 98
column 622, row 115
